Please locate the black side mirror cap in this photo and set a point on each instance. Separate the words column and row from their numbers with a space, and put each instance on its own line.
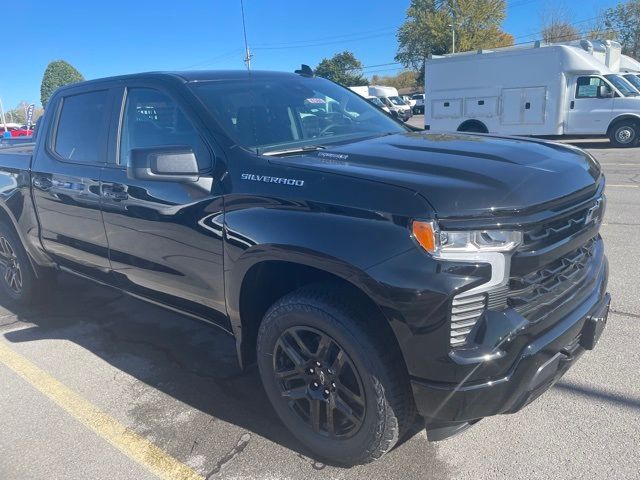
column 175, row 163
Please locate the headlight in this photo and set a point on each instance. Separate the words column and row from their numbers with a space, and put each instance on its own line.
column 438, row 242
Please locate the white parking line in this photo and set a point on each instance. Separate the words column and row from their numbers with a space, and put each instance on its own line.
column 622, row 185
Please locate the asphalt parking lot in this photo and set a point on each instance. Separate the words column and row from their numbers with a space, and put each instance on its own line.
column 97, row 385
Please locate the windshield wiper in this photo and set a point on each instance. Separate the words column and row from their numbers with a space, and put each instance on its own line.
column 289, row 151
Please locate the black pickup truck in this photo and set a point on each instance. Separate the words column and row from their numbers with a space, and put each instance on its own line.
column 374, row 273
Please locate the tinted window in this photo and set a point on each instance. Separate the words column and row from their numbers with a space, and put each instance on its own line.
column 82, row 127
column 274, row 113
column 153, row 119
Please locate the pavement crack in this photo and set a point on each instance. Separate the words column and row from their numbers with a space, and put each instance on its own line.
column 625, row 314
column 230, row 455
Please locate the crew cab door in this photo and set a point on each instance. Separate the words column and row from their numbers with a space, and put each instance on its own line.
column 165, row 236
column 66, row 180
column 589, row 112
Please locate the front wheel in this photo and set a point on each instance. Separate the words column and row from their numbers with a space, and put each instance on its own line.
column 624, row 134
column 339, row 389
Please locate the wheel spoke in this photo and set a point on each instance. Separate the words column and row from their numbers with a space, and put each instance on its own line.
column 350, row 395
column 19, row 278
column 323, row 348
column 7, row 276
column 290, row 374
column 301, row 345
column 347, row 412
column 291, row 352
column 314, row 414
column 338, row 362
column 297, row 393
column 331, row 428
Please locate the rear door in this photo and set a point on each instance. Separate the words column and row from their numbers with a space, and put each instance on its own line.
column 165, row 237
column 588, row 113
column 66, row 180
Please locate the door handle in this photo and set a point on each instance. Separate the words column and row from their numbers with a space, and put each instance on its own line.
column 42, row 183
column 572, row 104
column 117, row 194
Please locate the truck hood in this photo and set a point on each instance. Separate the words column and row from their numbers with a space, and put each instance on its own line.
column 463, row 175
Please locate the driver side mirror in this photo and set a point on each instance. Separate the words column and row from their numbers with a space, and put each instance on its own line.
column 604, row 91
column 164, row 163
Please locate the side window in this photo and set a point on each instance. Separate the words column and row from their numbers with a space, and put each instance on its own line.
column 152, row 119
column 82, row 127
column 587, row 87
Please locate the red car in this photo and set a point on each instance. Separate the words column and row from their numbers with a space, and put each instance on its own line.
column 23, row 131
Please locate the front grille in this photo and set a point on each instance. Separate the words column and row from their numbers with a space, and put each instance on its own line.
column 563, row 226
column 544, row 287
column 466, row 310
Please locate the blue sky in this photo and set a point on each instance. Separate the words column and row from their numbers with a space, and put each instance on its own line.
column 124, row 36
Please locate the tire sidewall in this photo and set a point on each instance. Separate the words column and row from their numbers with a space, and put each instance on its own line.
column 617, row 128
column 348, row 450
column 25, row 269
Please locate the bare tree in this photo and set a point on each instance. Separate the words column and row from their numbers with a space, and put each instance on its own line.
column 556, row 24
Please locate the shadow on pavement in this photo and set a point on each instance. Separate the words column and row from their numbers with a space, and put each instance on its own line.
column 592, row 393
column 192, row 362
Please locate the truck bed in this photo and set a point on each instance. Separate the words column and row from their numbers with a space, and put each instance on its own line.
column 17, row 157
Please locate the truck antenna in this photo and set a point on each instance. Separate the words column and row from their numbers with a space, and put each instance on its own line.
column 248, row 55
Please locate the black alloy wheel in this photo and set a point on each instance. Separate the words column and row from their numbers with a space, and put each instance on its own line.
column 10, row 267
column 320, row 382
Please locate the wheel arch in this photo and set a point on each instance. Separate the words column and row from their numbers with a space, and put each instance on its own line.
column 266, row 280
column 625, row 116
column 7, row 218
column 473, row 123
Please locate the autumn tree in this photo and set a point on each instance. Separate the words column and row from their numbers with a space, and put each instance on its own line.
column 343, row 68
column 406, row 79
column 57, row 74
column 621, row 23
column 429, row 24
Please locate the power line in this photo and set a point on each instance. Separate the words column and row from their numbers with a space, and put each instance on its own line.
column 389, row 30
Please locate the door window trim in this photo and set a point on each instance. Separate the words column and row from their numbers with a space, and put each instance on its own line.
column 123, row 105
column 105, row 128
column 611, row 86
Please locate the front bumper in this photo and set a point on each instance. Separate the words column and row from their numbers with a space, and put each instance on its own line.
column 540, row 364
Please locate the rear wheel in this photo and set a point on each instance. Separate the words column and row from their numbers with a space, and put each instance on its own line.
column 624, row 134
column 338, row 387
column 473, row 127
column 17, row 279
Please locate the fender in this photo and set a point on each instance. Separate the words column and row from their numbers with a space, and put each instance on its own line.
column 16, row 209
column 624, row 116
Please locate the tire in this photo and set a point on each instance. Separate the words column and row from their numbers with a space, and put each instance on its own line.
column 472, row 128
column 18, row 282
column 624, row 134
column 367, row 391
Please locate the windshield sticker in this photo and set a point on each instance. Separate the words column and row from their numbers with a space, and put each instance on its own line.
column 315, row 100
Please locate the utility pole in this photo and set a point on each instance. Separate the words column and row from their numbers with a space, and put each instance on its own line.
column 4, row 120
column 453, row 37
column 248, row 55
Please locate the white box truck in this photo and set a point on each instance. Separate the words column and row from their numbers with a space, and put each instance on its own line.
column 544, row 90
column 389, row 96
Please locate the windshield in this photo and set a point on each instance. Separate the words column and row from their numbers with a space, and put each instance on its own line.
column 633, row 80
column 622, row 85
column 278, row 113
column 378, row 103
column 397, row 101
column 418, row 96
